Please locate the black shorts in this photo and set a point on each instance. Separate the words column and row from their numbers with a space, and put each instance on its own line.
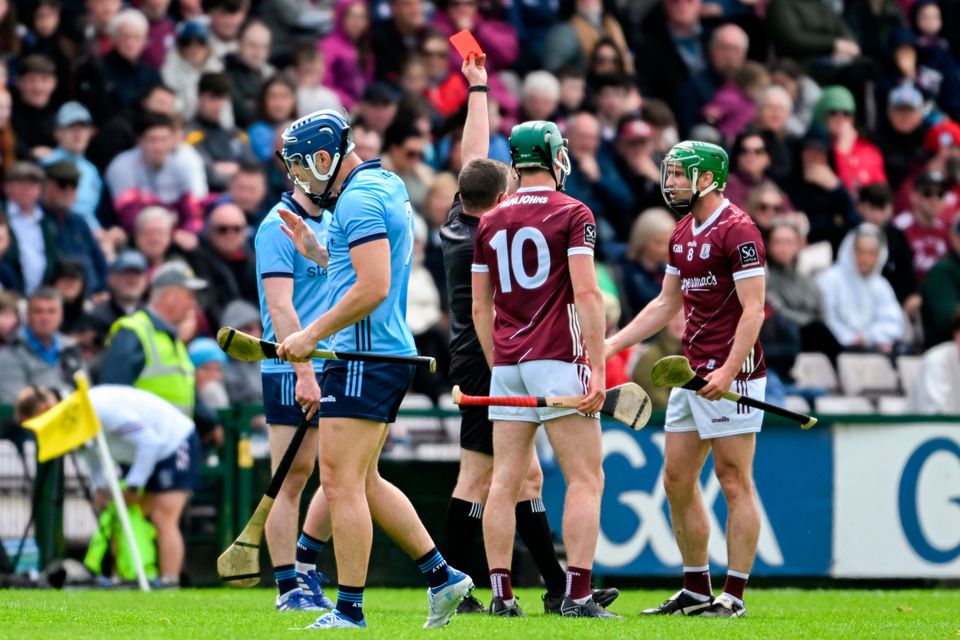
column 470, row 371
column 363, row 390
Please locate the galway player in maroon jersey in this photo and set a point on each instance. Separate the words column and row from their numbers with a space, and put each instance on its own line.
column 716, row 273
column 533, row 265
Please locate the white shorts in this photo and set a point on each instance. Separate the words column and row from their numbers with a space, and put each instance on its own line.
column 686, row 411
column 537, row 378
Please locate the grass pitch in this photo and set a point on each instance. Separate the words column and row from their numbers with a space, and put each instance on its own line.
column 399, row 613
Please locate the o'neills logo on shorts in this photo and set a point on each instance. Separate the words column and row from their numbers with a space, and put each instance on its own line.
column 688, row 284
column 720, row 420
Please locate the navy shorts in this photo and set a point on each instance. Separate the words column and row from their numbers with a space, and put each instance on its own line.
column 279, row 399
column 363, row 390
column 180, row 471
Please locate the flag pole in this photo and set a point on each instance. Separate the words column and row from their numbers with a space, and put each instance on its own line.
column 110, row 471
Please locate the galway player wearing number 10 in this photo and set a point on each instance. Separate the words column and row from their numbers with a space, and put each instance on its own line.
column 533, row 265
column 716, row 273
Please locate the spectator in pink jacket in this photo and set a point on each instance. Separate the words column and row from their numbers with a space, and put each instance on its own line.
column 348, row 53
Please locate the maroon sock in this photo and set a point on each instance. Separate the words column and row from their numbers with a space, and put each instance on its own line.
column 735, row 584
column 697, row 580
column 500, row 582
column 578, row 583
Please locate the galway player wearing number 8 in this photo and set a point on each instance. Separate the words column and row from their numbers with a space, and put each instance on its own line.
column 533, row 265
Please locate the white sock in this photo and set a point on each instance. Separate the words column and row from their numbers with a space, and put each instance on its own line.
column 303, row 567
column 509, row 603
column 736, row 600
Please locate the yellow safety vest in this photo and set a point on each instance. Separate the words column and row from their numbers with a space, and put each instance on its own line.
column 167, row 370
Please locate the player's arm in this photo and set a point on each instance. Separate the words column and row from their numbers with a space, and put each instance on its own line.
column 303, row 237
column 589, row 305
column 750, row 291
column 651, row 318
column 371, row 262
column 476, row 130
column 483, row 313
column 278, row 291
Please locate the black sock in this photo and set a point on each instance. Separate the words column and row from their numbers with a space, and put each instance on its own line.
column 308, row 548
column 286, row 578
column 534, row 530
column 434, row 568
column 350, row 602
column 462, row 526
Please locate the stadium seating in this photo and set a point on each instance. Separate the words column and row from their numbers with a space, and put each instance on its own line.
column 814, row 371
column 844, row 405
column 869, row 373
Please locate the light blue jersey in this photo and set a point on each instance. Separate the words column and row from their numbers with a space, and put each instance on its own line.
column 373, row 204
column 277, row 257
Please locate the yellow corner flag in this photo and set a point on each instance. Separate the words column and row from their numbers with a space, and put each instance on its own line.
column 66, row 425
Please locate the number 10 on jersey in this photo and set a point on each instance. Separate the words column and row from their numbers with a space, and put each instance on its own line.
column 510, row 258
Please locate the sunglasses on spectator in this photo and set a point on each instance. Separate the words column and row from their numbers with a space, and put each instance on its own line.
column 932, row 193
column 840, row 112
column 435, row 53
column 66, row 184
column 228, row 228
column 413, row 154
column 775, row 207
column 757, row 151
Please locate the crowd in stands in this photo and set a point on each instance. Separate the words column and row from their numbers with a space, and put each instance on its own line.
column 133, row 134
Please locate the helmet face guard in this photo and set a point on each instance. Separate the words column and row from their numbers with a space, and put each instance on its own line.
column 301, row 163
column 692, row 162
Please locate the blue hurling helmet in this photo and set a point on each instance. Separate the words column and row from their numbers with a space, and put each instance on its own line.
column 324, row 130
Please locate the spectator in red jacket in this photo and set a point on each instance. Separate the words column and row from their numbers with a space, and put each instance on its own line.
column 858, row 161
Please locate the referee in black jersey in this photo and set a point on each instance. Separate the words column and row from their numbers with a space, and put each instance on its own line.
column 482, row 185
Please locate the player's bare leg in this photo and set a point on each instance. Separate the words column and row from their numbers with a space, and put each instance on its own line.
column 684, row 456
column 164, row 510
column 513, row 446
column 733, row 464
column 473, row 480
column 683, row 460
column 282, row 524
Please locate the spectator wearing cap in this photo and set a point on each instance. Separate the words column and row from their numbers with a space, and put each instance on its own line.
column 875, row 205
column 160, row 32
column 34, row 112
column 222, row 148
column 144, row 348
column 187, row 61
column 74, row 129
column 34, row 248
column 151, row 174
column 243, row 380
column 348, row 52
column 40, row 354
column 398, row 36
column 726, row 53
column 901, row 133
column 209, row 362
column 922, row 225
column 635, row 159
column 126, row 286
column 595, row 181
column 816, row 189
column 120, row 78
column 74, row 238
column 248, row 69
column 857, row 160
column 941, row 294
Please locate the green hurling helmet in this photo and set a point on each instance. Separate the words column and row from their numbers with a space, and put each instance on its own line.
column 539, row 144
column 696, row 158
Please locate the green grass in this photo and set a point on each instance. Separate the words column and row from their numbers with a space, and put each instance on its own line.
column 399, row 613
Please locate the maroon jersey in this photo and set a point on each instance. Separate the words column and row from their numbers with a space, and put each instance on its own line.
column 928, row 244
column 708, row 260
column 524, row 244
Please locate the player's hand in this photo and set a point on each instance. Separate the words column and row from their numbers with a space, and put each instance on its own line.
column 718, row 383
column 473, row 70
column 592, row 402
column 307, row 393
column 297, row 347
column 303, row 238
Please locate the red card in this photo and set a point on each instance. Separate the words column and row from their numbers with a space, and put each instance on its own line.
column 465, row 44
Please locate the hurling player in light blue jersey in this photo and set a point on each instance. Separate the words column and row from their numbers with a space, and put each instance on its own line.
column 370, row 246
column 293, row 293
